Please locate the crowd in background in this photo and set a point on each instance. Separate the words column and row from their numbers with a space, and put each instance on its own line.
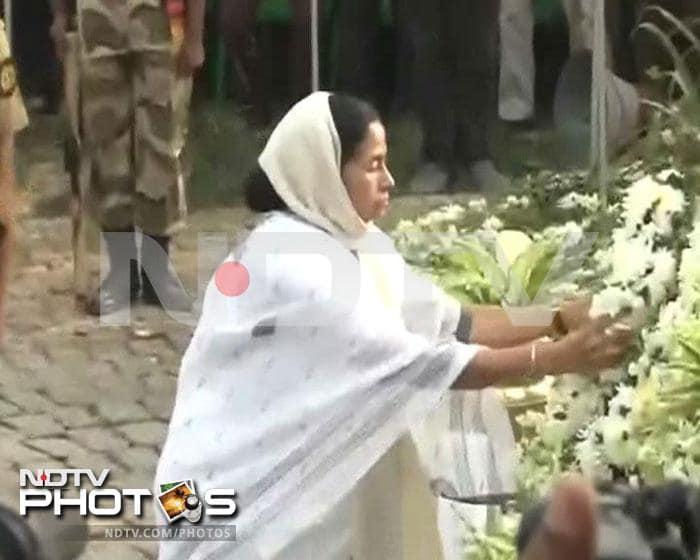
column 459, row 66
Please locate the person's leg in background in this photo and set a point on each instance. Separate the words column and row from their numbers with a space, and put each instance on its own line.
column 238, row 28
column 160, row 205
column 301, row 48
column 107, row 108
column 474, row 32
column 432, row 66
column 516, row 96
column 404, row 85
column 579, row 39
column 356, row 40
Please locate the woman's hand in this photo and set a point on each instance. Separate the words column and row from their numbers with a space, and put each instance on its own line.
column 597, row 345
column 190, row 57
column 574, row 313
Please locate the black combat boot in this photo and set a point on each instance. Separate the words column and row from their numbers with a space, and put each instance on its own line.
column 122, row 285
column 160, row 284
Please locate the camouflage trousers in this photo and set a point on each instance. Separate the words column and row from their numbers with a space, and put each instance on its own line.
column 134, row 120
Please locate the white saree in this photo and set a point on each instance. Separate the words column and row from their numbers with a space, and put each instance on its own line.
column 297, row 393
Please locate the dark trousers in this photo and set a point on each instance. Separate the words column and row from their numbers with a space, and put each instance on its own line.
column 456, row 64
column 34, row 51
column 238, row 19
column 356, row 59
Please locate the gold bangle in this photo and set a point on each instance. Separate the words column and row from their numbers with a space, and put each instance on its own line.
column 533, row 359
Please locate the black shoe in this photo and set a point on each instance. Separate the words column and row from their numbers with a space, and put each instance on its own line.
column 160, row 284
column 122, row 285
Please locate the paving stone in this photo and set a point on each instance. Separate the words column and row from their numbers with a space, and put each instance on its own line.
column 75, row 389
column 68, row 351
column 82, row 458
column 30, row 458
column 145, row 433
column 131, row 367
column 30, row 401
column 140, row 459
column 8, row 409
column 112, row 411
column 160, row 406
column 99, row 439
column 60, row 448
column 74, row 416
column 147, row 348
column 36, row 425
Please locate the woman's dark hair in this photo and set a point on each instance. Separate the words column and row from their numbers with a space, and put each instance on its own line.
column 352, row 117
column 260, row 195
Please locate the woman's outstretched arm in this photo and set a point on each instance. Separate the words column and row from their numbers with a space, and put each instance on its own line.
column 592, row 348
column 500, row 327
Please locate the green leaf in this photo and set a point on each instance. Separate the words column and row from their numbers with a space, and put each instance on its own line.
column 529, row 271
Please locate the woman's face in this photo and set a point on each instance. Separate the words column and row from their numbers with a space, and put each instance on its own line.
column 366, row 175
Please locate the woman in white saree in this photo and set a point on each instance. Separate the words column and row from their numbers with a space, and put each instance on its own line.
column 296, row 392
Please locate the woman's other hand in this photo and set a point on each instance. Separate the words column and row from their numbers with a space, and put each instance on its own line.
column 574, row 313
column 599, row 344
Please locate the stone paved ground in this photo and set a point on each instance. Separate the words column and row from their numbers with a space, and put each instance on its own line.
column 78, row 394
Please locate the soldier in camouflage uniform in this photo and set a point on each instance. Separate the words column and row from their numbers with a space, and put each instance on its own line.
column 136, row 59
column 13, row 118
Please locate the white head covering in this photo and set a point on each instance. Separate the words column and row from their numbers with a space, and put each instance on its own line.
column 311, row 187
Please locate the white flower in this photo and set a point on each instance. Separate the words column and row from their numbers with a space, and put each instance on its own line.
column 513, row 201
column 532, row 419
column 619, row 446
column 666, row 174
column 589, row 459
column 556, row 430
column 621, row 404
column 445, row 214
column 579, row 394
column 639, row 368
column 631, row 257
column 649, row 198
column 662, row 276
column 570, row 233
column 405, row 226
column 477, row 205
column 668, row 137
column 613, row 301
column 492, row 223
column 574, row 200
